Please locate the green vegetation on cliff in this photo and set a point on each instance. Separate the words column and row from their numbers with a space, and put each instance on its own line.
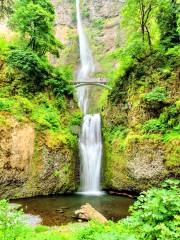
column 141, row 113
column 35, row 97
column 32, row 89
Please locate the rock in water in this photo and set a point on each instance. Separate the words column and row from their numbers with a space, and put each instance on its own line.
column 15, row 206
column 87, row 212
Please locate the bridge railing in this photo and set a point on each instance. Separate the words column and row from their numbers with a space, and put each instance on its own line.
column 94, row 82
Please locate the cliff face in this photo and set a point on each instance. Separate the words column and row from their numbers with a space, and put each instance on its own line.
column 101, row 22
column 141, row 127
column 31, row 165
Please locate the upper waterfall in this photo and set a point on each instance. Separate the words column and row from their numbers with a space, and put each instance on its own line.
column 87, row 66
column 87, row 63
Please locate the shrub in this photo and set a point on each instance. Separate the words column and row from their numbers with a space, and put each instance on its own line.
column 76, row 118
column 6, row 104
column 170, row 116
column 153, row 126
column 167, row 121
column 46, row 117
column 34, row 67
column 158, row 94
column 98, row 23
column 58, row 81
column 155, row 215
column 10, row 225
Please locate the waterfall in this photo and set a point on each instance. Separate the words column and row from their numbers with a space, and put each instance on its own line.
column 90, row 143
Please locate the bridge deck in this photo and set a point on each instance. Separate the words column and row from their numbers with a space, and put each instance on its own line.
column 102, row 82
column 88, row 82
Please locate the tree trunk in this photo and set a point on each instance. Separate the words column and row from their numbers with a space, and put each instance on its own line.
column 149, row 37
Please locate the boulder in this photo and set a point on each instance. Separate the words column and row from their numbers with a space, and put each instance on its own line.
column 87, row 212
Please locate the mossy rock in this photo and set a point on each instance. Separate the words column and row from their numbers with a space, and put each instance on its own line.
column 172, row 156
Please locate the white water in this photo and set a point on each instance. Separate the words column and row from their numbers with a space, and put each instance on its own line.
column 90, row 140
column 87, row 66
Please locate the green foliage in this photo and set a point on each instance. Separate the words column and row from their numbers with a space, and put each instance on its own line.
column 18, row 106
column 39, row 73
column 34, row 20
column 146, row 24
column 56, row 173
column 58, row 81
column 158, row 94
column 76, row 118
column 155, row 213
column 98, row 23
column 153, row 126
column 41, row 110
column 3, row 121
column 6, row 7
column 96, row 231
column 3, row 46
column 85, row 11
column 10, row 226
column 63, row 136
column 172, row 152
column 168, row 21
column 167, row 121
column 46, row 117
column 139, row 17
column 174, row 134
column 6, row 104
column 170, row 117
column 28, row 62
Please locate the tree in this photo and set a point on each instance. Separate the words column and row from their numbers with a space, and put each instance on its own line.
column 34, row 20
column 167, row 20
column 138, row 14
column 5, row 8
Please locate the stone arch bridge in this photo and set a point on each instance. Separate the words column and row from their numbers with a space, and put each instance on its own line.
column 101, row 82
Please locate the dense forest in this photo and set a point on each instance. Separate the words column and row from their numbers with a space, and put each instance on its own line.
column 40, row 121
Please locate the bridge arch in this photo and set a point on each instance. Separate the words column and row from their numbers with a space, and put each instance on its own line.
column 100, row 84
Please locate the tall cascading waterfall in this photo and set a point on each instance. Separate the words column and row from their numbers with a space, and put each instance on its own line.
column 90, row 142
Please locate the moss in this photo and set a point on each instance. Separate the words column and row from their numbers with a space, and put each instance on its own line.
column 115, row 167
column 56, row 173
column 158, row 94
column 172, row 153
column 5, row 121
column 55, row 139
